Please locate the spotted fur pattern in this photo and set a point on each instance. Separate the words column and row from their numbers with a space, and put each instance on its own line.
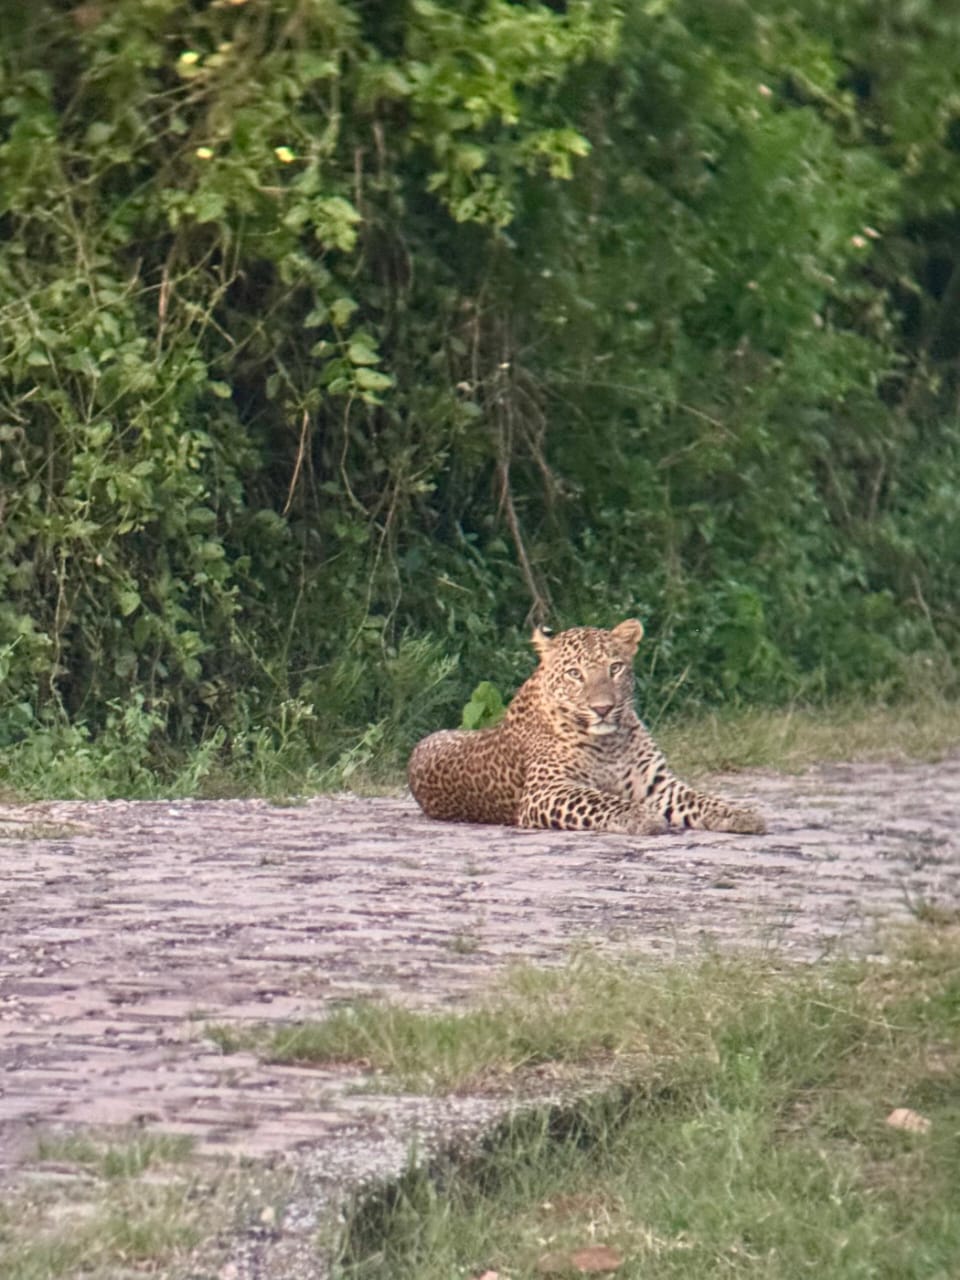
column 570, row 753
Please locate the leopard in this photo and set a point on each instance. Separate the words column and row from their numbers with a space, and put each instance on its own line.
column 570, row 753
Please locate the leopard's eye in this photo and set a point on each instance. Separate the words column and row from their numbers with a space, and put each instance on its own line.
column 617, row 667
column 573, row 673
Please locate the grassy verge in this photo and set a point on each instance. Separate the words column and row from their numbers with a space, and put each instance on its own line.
column 793, row 738
column 753, row 1141
column 591, row 1016
column 126, row 761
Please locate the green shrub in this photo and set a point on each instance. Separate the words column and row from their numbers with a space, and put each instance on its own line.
column 337, row 342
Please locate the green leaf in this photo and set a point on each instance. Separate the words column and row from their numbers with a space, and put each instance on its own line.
column 99, row 132
column 341, row 309
column 485, row 707
column 372, row 379
column 297, row 216
column 319, row 315
column 361, row 353
column 313, row 66
column 98, row 433
column 469, row 158
column 207, row 206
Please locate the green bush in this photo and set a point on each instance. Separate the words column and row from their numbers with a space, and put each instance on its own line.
column 339, row 341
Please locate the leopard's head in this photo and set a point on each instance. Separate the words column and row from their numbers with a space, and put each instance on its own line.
column 586, row 675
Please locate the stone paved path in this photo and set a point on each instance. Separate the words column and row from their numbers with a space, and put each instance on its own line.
column 126, row 927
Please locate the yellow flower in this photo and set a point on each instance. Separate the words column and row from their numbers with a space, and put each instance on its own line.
column 189, row 58
column 284, row 155
column 204, row 153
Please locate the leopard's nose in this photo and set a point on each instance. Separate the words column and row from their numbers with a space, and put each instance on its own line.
column 602, row 709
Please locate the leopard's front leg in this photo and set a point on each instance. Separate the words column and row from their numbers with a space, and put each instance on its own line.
column 579, row 808
column 682, row 806
column 652, row 784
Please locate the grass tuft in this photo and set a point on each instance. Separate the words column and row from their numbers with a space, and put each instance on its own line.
column 105, row 1157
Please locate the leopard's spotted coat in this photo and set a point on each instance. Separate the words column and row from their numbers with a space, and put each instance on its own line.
column 570, row 752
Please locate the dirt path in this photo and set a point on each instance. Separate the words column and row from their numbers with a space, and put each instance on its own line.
column 125, row 928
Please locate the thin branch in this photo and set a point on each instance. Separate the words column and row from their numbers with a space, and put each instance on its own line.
column 301, row 450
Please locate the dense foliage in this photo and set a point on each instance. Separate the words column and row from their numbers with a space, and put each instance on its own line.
column 342, row 338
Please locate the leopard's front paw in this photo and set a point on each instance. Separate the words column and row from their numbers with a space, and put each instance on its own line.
column 647, row 822
column 742, row 821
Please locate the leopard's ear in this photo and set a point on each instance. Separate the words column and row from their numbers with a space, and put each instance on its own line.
column 541, row 640
column 628, row 634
